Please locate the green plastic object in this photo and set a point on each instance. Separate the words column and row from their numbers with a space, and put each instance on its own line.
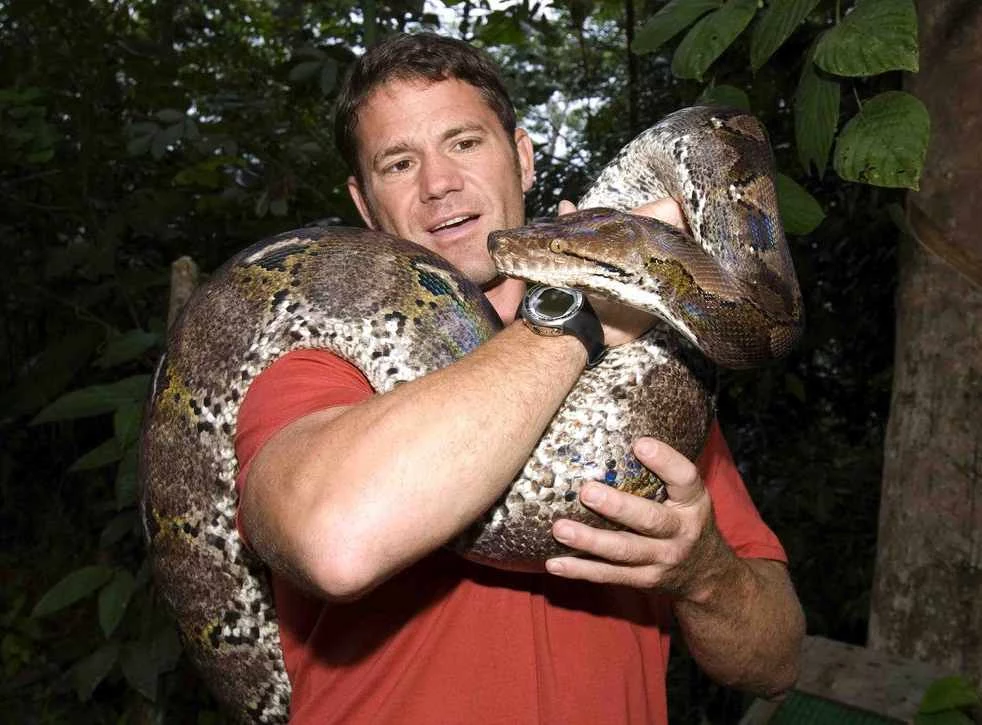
column 802, row 709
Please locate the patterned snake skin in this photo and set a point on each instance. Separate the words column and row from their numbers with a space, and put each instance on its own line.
column 398, row 312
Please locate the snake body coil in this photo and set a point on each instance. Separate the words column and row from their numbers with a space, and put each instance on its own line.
column 398, row 312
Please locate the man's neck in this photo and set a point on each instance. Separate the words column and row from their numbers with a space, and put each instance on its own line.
column 504, row 294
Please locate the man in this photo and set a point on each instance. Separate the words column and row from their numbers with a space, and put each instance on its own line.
column 349, row 496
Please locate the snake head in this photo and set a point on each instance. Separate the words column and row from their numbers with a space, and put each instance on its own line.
column 595, row 249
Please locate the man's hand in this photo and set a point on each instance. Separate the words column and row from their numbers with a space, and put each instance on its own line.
column 622, row 323
column 740, row 617
column 672, row 546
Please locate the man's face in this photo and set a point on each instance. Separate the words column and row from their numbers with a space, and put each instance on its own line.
column 440, row 170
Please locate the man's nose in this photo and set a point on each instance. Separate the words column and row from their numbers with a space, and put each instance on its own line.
column 438, row 177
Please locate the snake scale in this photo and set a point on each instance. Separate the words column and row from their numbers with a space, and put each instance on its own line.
column 726, row 295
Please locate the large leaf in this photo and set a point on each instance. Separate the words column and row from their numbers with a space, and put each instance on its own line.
column 113, row 599
column 671, row 20
column 126, row 483
column 800, row 212
column 49, row 373
column 710, row 37
column 102, row 455
column 885, row 143
column 779, row 20
column 949, row 693
column 140, row 669
column 95, row 400
column 90, row 671
column 118, row 527
column 816, row 116
column 724, row 95
column 878, row 36
column 73, row 587
column 143, row 662
column 304, row 71
column 126, row 423
column 126, row 347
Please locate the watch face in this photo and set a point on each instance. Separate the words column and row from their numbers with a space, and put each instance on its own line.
column 553, row 303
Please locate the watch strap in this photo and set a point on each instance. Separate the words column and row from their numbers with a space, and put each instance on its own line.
column 585, row 325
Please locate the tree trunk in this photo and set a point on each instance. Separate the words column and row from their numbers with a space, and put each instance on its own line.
column 927, row 593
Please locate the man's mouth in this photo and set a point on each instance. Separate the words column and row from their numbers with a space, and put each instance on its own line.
column 452, row 223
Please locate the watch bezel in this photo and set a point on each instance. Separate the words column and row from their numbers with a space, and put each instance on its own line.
column 531, row 312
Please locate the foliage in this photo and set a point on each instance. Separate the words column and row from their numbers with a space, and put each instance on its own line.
column 950, row 701
column 133, row 132
column 885, row 142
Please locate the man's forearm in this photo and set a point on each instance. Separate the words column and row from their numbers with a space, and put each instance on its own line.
column 344, row 502
column 747, row 631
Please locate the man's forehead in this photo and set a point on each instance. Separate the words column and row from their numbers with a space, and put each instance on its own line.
column 462, row 107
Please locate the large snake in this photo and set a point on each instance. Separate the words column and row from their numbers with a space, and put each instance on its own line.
column 397, row 312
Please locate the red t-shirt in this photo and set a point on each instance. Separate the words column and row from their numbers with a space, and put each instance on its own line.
column 449, row 641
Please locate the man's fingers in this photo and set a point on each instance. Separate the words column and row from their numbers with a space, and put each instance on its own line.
column 680, row 475
column 666, row 210
column 566, row 207
column 633, row 512
column 601, row 572
column 620, row 547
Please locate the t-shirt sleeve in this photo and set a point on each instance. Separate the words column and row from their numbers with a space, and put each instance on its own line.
column 736, row 516
column 299, row 383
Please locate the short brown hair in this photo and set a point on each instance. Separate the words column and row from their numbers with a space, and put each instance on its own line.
column 406, row 57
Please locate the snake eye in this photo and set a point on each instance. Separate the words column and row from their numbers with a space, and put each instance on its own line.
column 556, row 246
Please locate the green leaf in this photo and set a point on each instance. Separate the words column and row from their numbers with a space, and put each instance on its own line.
column 126, row 424
column 949, row 693
column 126, row 482
column 191, row 131
column 945, row 717
column 795, row 386
column 501, row 28
column 710, row 37
column 166, row 648
column 87, row 673
column 103, row 454
column 140, row 669
column 877, row 36
column 95, row 400
column 50, row 372
column 885, row 143
column 143, row 662
column 724, row 95
column 126, row 347
column 170, row 115
column 304, row 71
column 166, row 138
column 668, row 22
column 73, row 587
column 139, row 145
column 278, row 207
column 779, row 20
column 816, row 116
column 113, row 599
column 329, row 76
column 117, row 528
column 800, row 212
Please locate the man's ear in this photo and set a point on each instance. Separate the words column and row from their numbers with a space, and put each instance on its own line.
column 526, row 158
column 354, row 188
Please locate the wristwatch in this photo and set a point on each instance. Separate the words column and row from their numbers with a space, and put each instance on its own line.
column 554, row 311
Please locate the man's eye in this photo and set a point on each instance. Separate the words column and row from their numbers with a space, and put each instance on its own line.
column 467, row 144
column 398, row 166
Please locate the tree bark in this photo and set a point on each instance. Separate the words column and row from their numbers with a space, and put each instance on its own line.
column 927, row 591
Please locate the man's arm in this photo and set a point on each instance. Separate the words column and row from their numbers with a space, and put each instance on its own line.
column 740, row 617
column 344, row 498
